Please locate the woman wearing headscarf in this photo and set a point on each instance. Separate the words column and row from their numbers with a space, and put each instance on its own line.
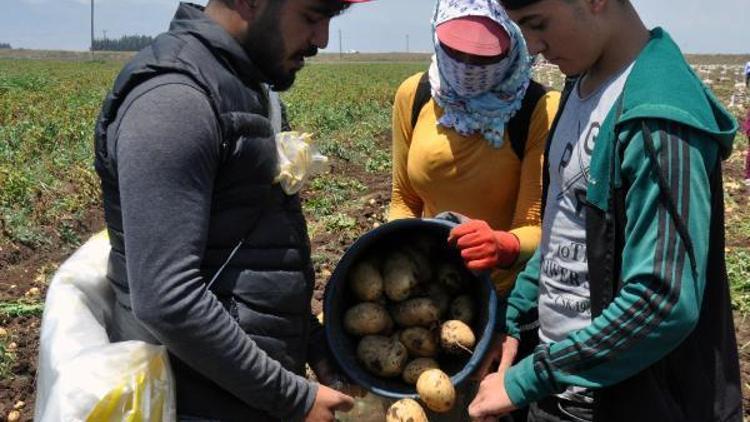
column 458, row 151
column 458, row 154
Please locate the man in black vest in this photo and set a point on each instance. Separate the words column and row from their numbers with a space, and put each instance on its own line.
column 209, row 257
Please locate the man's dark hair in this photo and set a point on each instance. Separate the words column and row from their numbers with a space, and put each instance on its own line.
column 336, row 6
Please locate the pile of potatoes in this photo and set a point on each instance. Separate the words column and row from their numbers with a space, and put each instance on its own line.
column 409, row 308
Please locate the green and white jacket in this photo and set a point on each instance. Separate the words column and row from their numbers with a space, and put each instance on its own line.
column 661, row 345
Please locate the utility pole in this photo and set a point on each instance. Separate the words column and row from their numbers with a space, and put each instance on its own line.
column 341, row 46
column 92, row 30
column 407, row 43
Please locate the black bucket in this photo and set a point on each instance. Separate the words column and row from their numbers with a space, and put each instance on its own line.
column 338, row 297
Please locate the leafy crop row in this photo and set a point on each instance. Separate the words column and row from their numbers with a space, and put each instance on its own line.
column 48, row 109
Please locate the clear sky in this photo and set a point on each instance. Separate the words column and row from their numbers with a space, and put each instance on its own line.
column 699, row 26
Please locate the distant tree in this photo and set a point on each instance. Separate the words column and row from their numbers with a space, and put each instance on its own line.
column 124, row 43
column 5, row 46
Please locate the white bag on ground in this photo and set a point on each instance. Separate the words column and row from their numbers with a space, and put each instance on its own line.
column 81, row 376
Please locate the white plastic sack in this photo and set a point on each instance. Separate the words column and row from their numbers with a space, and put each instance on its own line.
column 299, row 160
column 81, row 376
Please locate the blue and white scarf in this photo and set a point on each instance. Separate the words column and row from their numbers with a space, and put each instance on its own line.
column 479, row 98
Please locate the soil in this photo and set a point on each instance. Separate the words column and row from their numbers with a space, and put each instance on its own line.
column 741, row 197
column 18, row 279
column 742, row 327
column 368, row 211
column 21, row 269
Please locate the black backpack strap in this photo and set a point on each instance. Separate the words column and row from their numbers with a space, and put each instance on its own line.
column 421, row 97
column 518, row 125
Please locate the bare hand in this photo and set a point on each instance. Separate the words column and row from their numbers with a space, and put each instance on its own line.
column 503, row 350
column 328, row 376
column 492, row 400
column 327, row 402
column 510, row 350
column 492, row 358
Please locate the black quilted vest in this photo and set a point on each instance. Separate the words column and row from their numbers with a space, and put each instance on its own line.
column 268, row 284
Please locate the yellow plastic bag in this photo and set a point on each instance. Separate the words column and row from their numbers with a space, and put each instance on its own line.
column 142, row 396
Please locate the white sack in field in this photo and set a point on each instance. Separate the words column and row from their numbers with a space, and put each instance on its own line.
column 81, row 375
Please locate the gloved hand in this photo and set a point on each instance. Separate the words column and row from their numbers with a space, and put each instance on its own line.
column 483, row 248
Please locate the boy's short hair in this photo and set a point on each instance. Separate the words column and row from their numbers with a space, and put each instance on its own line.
column 517, row 4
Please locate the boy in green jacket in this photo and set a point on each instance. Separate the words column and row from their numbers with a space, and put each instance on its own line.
column 629, row 282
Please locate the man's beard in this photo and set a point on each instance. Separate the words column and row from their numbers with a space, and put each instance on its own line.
column 264, row 44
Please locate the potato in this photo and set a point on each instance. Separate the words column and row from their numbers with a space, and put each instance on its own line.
column 436, row 390
column 406, row 410
column 421, row 262
column 366, row 282
column 438, row 293
column 419, row 341
column 399, row 276
column 382, row 356
column 415, row 368
column 456, row 337
column 367, row 318
column 449, row 276
column 462, row 309
column 420, row 311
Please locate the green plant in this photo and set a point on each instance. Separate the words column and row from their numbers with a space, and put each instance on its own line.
column 738, row 269
column 339, row 222
column 20, row 308
column 68, row 234
column 329, row 192
column 7, row 358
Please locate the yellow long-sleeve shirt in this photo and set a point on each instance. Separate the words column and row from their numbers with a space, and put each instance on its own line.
column 436, row 169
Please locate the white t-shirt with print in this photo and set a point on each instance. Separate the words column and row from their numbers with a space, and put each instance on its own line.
column 564, row 296
column 564, row 299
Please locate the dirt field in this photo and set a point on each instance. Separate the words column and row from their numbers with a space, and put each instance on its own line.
column 17, row 280
column 25, row 270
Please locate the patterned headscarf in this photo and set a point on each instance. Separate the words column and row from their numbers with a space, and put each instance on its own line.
column 489, row 95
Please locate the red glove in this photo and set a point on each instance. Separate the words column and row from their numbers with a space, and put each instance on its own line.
column 483, row 248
